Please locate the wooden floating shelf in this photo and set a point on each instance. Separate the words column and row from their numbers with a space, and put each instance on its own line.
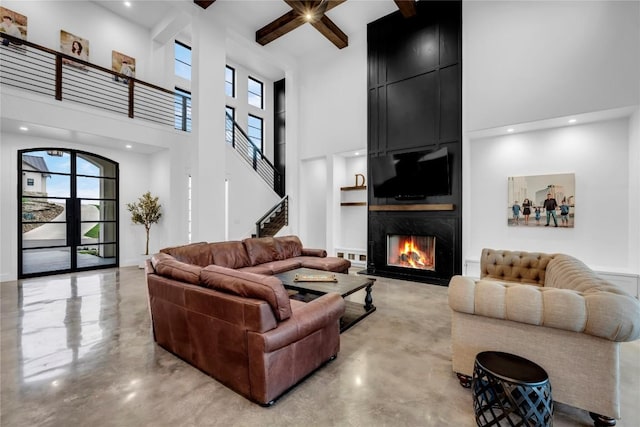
column 357, row 187
column 353, row 204
column 422, row 207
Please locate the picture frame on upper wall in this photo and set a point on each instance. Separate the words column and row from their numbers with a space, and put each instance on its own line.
column 13, row 24
column 123, row 64
column 541, row 201
column 74, row 46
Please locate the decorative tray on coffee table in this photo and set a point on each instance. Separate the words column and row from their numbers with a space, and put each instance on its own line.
column 315, row 278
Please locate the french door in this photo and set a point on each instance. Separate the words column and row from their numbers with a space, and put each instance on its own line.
column 67, row 212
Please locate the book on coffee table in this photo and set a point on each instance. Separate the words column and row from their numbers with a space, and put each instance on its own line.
column 315, row 278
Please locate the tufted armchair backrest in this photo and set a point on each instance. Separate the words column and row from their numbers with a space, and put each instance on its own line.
column 514, row 266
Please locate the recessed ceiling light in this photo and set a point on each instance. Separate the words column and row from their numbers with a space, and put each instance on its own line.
column 24, row 128
column 572, row 121
column 356, row 153
column 127, row 3
column 128, row 146
column 510, row 130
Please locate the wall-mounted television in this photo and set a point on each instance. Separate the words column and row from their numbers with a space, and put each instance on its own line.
column 411, row 176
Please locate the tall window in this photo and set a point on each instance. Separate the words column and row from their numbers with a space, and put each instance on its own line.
column 255, row 93
column 230, row 81
column 229, row 118
column 182, row 60
column 254, row 128
column 182, row 110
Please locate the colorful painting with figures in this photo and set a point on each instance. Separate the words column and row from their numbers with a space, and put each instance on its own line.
column 13, row 24
column 541, row 201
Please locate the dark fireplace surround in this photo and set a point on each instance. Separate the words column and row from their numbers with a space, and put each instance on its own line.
column 444, row 228
column 415, row 103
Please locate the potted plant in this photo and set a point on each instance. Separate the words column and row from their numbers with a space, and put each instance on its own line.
column 145, row 211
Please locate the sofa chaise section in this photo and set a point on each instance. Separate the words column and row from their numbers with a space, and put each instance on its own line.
column 239, row 327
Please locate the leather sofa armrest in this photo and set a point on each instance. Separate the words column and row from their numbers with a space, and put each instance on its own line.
column 314, row 252
column 315, row 315
column 602, row 314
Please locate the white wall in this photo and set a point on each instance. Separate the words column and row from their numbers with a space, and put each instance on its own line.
column 333, row 98
column 597, row 153
column 313, row 203
column 634, row 192
column 526, row 61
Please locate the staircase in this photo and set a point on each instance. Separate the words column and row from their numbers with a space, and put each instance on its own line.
column 273, row 221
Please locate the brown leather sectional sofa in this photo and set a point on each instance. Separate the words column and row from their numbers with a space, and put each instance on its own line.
column 216, row 306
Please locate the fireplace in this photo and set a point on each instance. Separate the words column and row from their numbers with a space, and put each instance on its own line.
column 417, row 246
column 411, row 251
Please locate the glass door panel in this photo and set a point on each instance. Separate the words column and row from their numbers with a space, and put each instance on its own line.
column 68, row 216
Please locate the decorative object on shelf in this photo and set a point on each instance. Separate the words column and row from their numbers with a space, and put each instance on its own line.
column 74, row 46
column 541, row 200
column 123, row 64
column 145, row 211
column 315, row 278
column 13, row 24
column 360, row 185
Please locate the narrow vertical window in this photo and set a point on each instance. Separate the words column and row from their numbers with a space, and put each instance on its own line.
column 182, row 110
column 182, row 60
column 230, row 117
column 230, row 81
column 255, row 93
column 255, row 130
column 189, row 210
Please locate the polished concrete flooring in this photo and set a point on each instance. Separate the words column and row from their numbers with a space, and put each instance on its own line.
column 77, row 350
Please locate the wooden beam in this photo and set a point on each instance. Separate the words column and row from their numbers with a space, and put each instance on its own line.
column 332, row 32
column 204, row 3
column 281, row 26
column 407, row 7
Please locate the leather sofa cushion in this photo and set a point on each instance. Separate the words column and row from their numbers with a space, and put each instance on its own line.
column 338, row 265
column 194, row 253
column 261, row 249
column 166, row 265
column 288, row 247
column 274, row 267
column 229, row 254
column 250, row 285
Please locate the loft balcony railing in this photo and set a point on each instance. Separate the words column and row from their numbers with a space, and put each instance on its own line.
column 243, row 145
column 37, row 69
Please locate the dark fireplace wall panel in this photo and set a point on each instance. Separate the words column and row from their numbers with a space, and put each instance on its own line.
column 414, row 104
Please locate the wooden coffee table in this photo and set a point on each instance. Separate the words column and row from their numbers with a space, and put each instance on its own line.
column 346, row 285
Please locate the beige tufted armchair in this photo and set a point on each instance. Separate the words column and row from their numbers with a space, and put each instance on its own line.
column 553, row 310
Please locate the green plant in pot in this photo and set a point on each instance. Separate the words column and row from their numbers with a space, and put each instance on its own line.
column 145, row 211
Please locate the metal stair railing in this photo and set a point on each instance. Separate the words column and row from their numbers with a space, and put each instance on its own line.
column 280, row 212
column 243, row 145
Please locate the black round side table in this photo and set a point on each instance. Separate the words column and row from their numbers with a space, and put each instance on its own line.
column 509, row 390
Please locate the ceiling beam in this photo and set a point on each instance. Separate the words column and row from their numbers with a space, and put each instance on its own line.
column 331, row 31
column 407, row 7
column 298, row 16
column 281, row 26
column 204, row 3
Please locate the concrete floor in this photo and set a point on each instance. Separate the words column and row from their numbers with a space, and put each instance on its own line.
column 77, row 350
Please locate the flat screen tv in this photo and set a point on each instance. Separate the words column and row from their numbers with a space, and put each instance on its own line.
column 411, row 176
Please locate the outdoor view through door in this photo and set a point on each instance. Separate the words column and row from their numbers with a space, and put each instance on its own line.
column 68, row 215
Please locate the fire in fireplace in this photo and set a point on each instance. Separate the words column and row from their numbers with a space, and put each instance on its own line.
column 411, row 251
